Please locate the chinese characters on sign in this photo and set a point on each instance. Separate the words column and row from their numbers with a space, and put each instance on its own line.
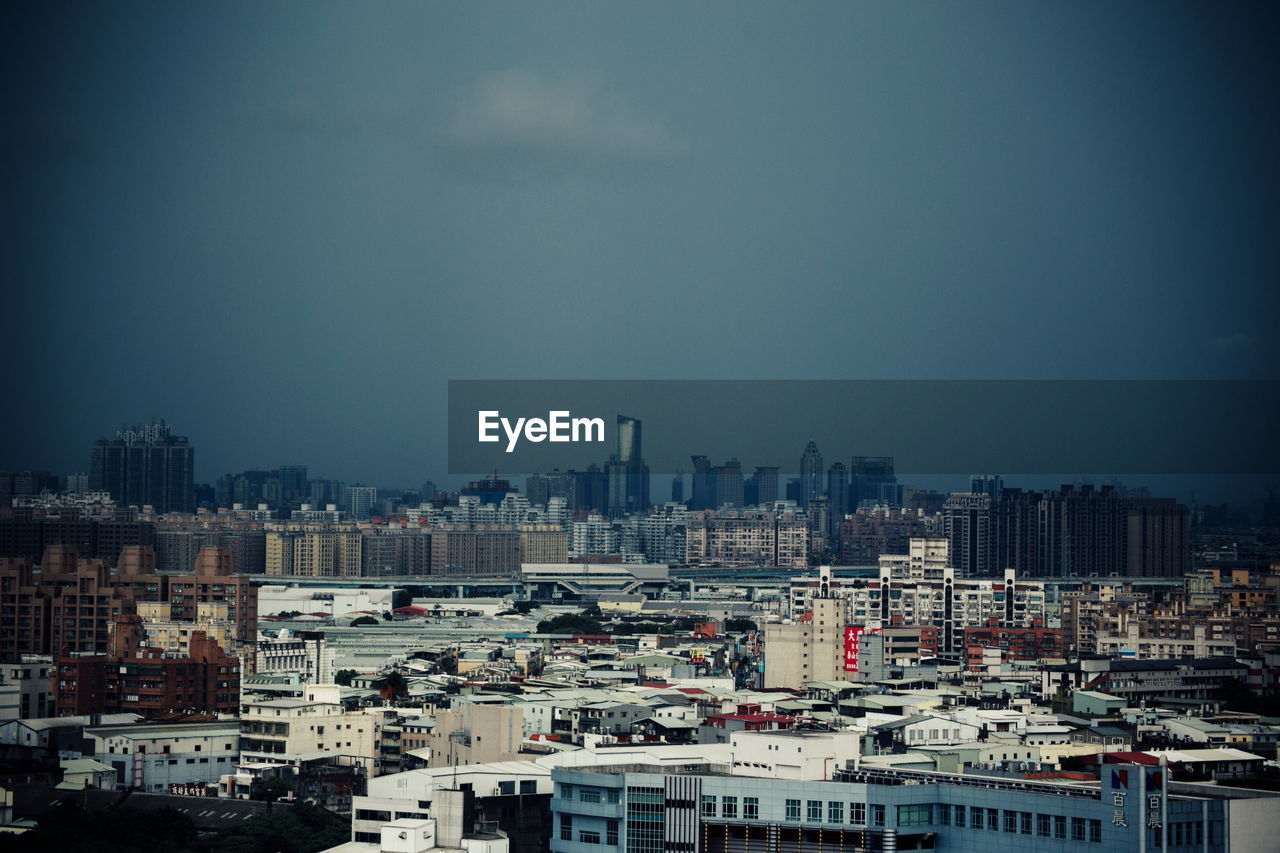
column 852, row 639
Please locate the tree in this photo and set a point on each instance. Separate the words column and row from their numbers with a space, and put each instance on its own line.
column 739, row 626
column 523, row 606
column 396, row 686
column 269, row 790
column 345, row 677
column 363, row 620
column 68, row 829
column 571, row 623
column 300, row 828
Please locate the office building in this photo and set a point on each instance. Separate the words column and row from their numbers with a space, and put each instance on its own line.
column 704, row 484
column 729, row 485
column 872, row 482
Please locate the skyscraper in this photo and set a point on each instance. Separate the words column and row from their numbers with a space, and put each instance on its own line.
column 145, row 465
column 762, row 487
column 838, row 492
column 986, row 484
column 966, row 522
column 729, row 484
column 873, row 482
column 704, row 484
column 811, row 484
column 634, row 474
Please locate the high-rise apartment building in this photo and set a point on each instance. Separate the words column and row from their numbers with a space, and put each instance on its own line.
column 966, row 523
column 314, row 550
column 145, row 465
column 747, row 538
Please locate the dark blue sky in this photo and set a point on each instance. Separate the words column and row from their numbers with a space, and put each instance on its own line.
column 284, row 226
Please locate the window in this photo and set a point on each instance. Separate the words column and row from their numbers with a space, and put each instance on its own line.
column 944, row 815
column 1042, row 825
column 611, row 833
column 1059, row 826
column 1077, row 829
column 566, row 792
column 751, row 808
column 588, row 836
column 993, row 820
column 793, row 809
column 1010, row 821
column 915, row 815
column 566, row 827
column 590, row 795
column 729, row 807
column 507, row 787
column 611, row 796
column 858, row 813
column 1026, row 823
column 959, row 812
column 814, row 813
column 709, row 806
column 835, row 812
column 877, row 815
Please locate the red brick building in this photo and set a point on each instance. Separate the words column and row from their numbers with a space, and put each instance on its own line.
column 1018, row 643
column 139, row 679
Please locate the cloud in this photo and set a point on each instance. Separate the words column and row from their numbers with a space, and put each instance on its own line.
column 524, row 114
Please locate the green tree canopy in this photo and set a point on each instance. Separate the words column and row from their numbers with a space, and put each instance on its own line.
column 571, row 623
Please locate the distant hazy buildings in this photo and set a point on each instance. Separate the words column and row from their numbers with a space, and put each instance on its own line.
column 811, row 483
column 145, row 465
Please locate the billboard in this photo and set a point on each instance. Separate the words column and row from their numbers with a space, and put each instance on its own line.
column 852, row 638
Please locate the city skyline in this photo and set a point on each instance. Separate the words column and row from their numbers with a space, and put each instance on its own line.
column 292, row 262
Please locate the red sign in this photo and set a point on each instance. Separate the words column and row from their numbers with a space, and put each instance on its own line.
column 852, row 637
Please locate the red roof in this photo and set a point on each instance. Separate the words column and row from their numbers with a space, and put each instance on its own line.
column 1129, row 758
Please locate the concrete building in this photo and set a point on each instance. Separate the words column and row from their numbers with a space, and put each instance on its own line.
column 474, row 733
column 317, row 726
column 155, row 756
column 304, row 652
column 314, row 550
column 747, row 538
column 274, row 599
column 28, row 681
column 811, row 649
column 543, row 543
column 709, row 808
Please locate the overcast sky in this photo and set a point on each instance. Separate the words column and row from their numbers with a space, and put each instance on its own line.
column 284, row 226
